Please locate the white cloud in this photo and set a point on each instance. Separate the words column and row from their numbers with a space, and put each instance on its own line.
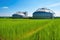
column 5, row 7
column 54, row 5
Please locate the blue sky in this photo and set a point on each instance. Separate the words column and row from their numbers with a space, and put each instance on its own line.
column 9, row 7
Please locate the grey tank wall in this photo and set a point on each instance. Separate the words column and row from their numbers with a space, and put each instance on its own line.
column 42, row 15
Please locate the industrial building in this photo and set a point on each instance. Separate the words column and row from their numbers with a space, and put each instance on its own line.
column 43, row 13
column 20, row 14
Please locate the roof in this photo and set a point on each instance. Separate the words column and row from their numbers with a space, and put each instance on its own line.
column 44, row 10
column 20, row 13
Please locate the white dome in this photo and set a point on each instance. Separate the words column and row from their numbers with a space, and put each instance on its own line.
column 44, row 10
column 20, row 13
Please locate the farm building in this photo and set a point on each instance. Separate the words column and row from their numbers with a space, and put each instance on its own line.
column 20, row 15
column 43, row 13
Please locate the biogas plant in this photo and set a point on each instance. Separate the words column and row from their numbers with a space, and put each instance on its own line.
column 20, row 14
column 40, row 13
column 43, row 13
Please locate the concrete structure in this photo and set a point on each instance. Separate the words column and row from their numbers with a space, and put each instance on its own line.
column 43, row 13
column 20, row 14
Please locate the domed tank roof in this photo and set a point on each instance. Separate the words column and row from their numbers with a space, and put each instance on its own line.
column 44, row 10
column 20, row 13
column 18, row 16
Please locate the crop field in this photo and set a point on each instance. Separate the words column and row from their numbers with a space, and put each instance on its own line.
column 29, row 29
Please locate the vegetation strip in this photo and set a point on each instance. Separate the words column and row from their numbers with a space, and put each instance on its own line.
column 35, row 31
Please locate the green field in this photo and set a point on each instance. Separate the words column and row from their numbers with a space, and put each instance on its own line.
column 29, row 29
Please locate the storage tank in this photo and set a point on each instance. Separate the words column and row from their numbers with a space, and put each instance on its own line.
column 43, row 13
column 19, row 14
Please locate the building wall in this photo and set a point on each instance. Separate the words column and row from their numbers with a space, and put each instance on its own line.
column 42, row 15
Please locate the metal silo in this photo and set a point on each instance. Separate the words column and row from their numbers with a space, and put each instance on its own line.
column 43, row 13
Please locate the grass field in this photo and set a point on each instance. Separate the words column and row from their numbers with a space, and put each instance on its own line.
column 29, row 29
